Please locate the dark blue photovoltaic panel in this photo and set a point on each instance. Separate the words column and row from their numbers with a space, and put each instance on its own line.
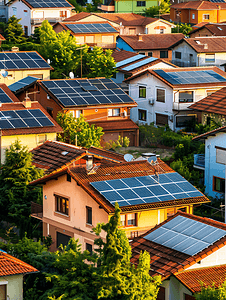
column 77, row 92
column 22, row 83
column 49, row 3
column 91, row 28
column 4, row 98
column 186, row 235
column 140, row 63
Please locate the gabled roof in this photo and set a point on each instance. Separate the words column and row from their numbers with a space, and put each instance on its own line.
column 77, row 17
column 106, row 172
column 207, row 44
column 152, row 41
column 199, row 5
column 167, row 261
column 196, row 278
column 10, row 265
column 210, row 133
column 214, row 29
column 214, row 103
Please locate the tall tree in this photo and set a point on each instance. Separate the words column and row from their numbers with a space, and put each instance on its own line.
column 212, row 293
column 14, row 31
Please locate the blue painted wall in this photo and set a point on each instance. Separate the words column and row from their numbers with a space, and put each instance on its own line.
column 123, row 45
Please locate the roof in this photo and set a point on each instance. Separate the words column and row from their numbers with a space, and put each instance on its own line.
column 199, row 25
column 210, row 133
column 20, row 85
column 54, row 127
column 6, row 96
column 2, row 38
column 77, row 17
column 207, row 44
column 214, row 29
column 199, row 5
column 167, row 261
column 110, row 172
column 152, row 41
column 10, row 265
column 120, row 55
column 45, row 4
column 191, row 77
column 88, row 27
column 53, row 155
column 124, row 124
column 214, row 103
column 196, row 278
column 82, row 92
column 23, row 60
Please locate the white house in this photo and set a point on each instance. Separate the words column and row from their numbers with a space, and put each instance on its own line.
column 200, row 51
column 33, row 12
column 163, row 96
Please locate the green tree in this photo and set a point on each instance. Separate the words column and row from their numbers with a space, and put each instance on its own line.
column 182, row 28
column 155, row 11
column 15, row 193
column 212, row 293
column 79, row 130
column 14, row 31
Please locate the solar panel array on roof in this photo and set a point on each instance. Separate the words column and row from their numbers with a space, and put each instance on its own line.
column 26, row 118
column 86, row 92
column 140, row 63
column 48, row 3
column 91, row 28
column 129, row 60
column 186, row 235
column 191, row 77
column 22, row 83
column 4, row 98
column 217, row 1
column 146, row 189
column 22, row 60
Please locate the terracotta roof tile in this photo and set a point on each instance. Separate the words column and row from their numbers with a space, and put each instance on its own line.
column 10, row 265
column 152, row 41
column 116, row 124
column 192, row 279
column 199, row 5
column 210, row 133
column 122, row 55
column 77, row 17
column 2, row 38
column 208, row 44
column 214, row 29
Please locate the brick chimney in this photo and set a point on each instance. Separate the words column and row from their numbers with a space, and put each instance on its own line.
column 206, row 46
column 140, row 38
column 15, row 49
column 27, row 102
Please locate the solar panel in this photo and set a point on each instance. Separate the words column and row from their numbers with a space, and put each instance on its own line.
column 4, row 98
column 145, row 189
column 49, row 3
column 91, row 28
column 140, row 63
column 191, row 77
column 22, row 83
column 129, row 60
column 25, row 60
column 26, row 118
column 75, row 92
column 186, row 235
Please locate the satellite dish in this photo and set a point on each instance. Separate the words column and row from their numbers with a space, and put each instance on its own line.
column 4, row 73
column 71, row 75
column 48, row 61
column 128, row 157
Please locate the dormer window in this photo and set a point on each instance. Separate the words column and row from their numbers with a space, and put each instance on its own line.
column 198, row 42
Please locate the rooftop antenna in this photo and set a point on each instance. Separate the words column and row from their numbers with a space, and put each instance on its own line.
column 128, row 157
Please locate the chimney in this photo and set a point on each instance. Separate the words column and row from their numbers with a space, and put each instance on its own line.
column 205, row 46
column 15, row 49
column 27, row 102
column 140, row 38
column 89, row 163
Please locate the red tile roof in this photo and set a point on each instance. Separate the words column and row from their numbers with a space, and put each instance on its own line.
column 214, row 103
column 10, row 265
column 117, row 171
column 77, row 17
column 166, row 261
column 199, row 5
column 124, row 124
column 207, row 44
column 152, row 41
column 210, row 133
column 2, row 38
column 214, row 29
column 208, row 276
column 120, row 55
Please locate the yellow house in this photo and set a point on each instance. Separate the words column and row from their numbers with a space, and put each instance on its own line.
column 78, row 197
column 20, row 64
column 26, row 121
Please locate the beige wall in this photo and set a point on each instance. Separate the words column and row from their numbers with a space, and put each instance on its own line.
column 14, row 76
column 151, row 27
column 14, row 287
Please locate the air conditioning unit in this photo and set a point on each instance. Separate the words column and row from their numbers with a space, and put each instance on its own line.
column 151, row 101
column 171, row 118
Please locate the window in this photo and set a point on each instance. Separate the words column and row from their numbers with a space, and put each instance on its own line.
column 25, row 30
column 89, row 248
column 141, row 3
column 177, row 54
column 114, row 112
column 163, row 54
column 25, row 13
column 142, row 115
column 78, row 113
column 42, row 138
column 68, row 178
column 210, row 58
column 183, row 120
column 132, row 31
column 218, row 184
column 160, row 95
column 193, row 16
column 63, row 14
column 161, row 31
column 62, row 205
column 62, row 239
column 206, row 17
column 14, row 11
column 39, row 76
column 123, row 220
column 90, row 39
column 3, row 292
column 128, row 220
column 89, row 218
column 184, row 209
column 142, row 53
column 150, row 54
column 50, row 110
column 142, row 91
column 185, row 97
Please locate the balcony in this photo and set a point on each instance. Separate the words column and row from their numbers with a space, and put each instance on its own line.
column 108, row 8
column 183, row 63
column 36, row 21
column 199, row 161
column 36, row 210
column 181, row 105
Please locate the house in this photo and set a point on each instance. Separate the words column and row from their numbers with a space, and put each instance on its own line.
column 181, row 247
column 195, row 12
column 77, row 197
column 156, row 45
column 209, row 29
column 200, row 52
column 12, row 271
column 26, row 121
column 126, row 6
column 129, row 63
column 33, row 13
column 164, row 96
column 214, row 170
column 99, row 100
column 21, row 64
column 100, row 34
column 126, row 23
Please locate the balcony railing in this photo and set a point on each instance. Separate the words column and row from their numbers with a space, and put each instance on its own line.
column 36, row 210
column 183, row 63
column 35, row 21
column 199, row 161
column 107, row 7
